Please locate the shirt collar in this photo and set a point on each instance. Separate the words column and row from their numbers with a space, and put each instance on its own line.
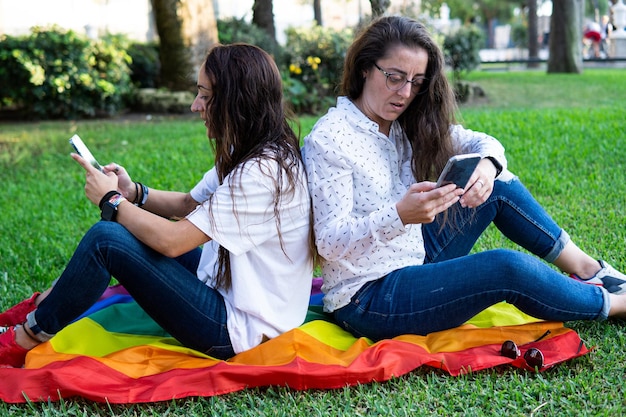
column 357, row 117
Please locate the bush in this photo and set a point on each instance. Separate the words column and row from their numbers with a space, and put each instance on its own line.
column 311, row 61
column 54, row 73
column 235, row 30
column 315, row 55
column 462, row 50
column 519, row 35
column 145, row 66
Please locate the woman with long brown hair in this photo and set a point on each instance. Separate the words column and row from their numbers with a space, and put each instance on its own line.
column 250, row 213
column 394, row 247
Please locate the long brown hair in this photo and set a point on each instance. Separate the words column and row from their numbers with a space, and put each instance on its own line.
column 427, row 120
column 247, row 117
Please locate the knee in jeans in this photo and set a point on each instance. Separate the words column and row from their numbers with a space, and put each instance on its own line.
column 103, row 228
column 508, row 262
column 103, row 231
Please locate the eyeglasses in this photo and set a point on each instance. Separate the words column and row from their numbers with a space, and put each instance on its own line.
column 533, row 356
column 395, row 82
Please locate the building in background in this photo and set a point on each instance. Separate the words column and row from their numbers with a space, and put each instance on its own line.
column 91, row 17
column 133, row 17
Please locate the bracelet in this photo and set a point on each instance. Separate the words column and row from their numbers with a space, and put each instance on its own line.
column 136, row 199
column 106, row 198
column 144, row 195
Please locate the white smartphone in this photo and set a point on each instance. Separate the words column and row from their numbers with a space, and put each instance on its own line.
column 459, row 169
column 83, row 150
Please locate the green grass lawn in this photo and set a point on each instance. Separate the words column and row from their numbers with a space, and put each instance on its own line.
column 565, row 137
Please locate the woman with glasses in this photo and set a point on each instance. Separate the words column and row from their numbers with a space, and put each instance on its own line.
column 394, row 247
column 250, row 213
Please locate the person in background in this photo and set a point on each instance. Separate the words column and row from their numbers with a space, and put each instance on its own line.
column 250, row 281
column 394, row 248
column 607, row 29
column 593, row 35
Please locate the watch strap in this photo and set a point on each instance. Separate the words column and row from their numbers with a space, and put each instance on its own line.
column 497, row 164
column 108, row 211
column 106, row 198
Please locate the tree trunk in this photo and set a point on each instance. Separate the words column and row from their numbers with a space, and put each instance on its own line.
column 317, row 12
column 533, row 42
column 379, row 7
column 566, row 37
column 173, row 53
column 199, row 30
column 491, row 32
column 186, row 30
column 263, row 16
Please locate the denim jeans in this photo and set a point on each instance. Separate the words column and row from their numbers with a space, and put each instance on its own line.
column 452, row 286
column 167, row 289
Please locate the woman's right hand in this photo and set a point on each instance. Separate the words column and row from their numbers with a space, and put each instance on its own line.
column 125, row 184
column 423, row 201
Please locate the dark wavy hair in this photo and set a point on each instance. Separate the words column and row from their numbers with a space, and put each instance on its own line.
column 427, row 120
column 249, row 122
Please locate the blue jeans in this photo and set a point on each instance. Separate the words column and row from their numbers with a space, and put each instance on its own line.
column 167, row 289
column 452, row 286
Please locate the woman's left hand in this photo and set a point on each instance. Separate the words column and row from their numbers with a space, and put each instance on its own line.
column 97, row 184
column 480, row 185
column 125, row 184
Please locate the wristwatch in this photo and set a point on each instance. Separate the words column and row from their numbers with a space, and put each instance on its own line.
column 497, row 164
column 108, row 209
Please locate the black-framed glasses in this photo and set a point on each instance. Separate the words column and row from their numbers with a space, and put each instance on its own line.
column 395, row 82
column 533, row 356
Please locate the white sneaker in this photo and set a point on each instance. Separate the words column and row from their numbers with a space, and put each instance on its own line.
column 608, row 277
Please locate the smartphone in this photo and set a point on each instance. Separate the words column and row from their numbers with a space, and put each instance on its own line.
column 459, row 169
column 83, row 150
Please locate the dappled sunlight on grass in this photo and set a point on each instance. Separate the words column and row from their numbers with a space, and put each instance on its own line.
column 564, row 136
column 537, row 89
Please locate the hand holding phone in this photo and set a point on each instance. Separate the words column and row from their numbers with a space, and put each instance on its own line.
column 82, row 150
column 459, row 169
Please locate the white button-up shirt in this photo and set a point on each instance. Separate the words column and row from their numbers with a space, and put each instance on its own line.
column 356, row 176
column 271, row 279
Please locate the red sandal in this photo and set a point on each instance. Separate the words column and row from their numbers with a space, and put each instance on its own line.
column 17, row 313
column 11, row 354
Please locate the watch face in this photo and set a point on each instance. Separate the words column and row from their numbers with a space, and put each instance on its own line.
column 109, row 208
column 109, row 211
column 115, row 199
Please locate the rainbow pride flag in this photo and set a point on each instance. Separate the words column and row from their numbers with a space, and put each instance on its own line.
column 116, row 353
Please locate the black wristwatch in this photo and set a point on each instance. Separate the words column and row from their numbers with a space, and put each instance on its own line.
column 497, row 164
column 109, row 204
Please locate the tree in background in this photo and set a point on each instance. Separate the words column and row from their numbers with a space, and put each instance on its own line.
column 317, row 9
column 493, row 12
column 263, row 16
column 199, row 30
column 565, row 42
column 186, row 31
column 379, row 7
column 486, row 13
column 317, row 12
column 566, row 22
column 533, row 33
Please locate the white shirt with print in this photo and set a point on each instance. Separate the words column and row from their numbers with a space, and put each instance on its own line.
column 356, row 176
